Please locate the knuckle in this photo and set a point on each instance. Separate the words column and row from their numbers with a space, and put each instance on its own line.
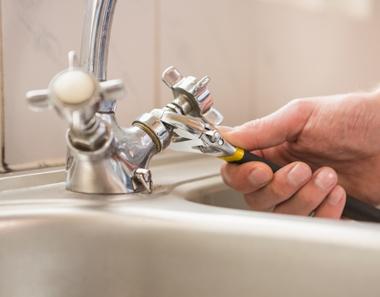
column 300, row 104
column 224, row 174
column 238, row 182
column 254, row 202
column 240, row 177
column 301, row 109
column 226, row 180
column 281, row 187
column 311, row 200
column 252, row 124
column 280, row 190
column 251, row 201
column 227, row 176
column 284, row 211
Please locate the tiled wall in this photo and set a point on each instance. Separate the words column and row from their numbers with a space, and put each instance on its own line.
column 259, row 54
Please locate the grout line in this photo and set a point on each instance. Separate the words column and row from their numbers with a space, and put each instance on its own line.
column 3, row 165
column 39, row 164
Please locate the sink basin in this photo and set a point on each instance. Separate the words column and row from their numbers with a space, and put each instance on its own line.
column 215, row 193
column 192, row 237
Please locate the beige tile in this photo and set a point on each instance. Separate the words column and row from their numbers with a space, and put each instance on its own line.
column 37, row 37
column 132, row 56
column 260, row 54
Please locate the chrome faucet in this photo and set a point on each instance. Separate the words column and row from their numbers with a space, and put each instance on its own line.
column 104, row 158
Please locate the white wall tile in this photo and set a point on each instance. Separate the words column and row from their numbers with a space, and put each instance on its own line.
column 37, row 36
column 260, row 54
column 132, row 56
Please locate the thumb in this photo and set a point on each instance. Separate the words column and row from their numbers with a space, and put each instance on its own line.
column 283, row 125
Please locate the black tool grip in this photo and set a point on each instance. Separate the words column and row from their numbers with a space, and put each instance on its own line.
column 354, row 208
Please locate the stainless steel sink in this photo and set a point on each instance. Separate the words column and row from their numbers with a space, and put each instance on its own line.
column 216, row 193
column 176, row 242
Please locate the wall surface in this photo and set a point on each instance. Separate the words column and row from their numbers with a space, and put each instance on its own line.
column 259, row 54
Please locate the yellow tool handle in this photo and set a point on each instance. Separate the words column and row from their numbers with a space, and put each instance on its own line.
column 241, row 156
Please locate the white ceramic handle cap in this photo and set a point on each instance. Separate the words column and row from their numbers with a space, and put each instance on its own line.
column 74, row 87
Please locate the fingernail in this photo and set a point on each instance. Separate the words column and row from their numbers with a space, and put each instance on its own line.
column 259, row 177
column 299, row 174
column 336, row 196
column 326, row 178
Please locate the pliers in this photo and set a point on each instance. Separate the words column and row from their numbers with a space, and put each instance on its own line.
column 193, row 134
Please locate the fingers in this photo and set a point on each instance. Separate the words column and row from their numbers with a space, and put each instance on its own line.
column 293, row 189
column 274, row 129
column 312, row 194
column 285, row 183
column 248, row 177
column 333, row 206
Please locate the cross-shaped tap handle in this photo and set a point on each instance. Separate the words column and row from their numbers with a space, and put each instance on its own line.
column 197, row 92
column 74, row 93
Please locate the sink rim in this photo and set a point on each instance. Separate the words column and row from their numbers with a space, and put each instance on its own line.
column 174, row 203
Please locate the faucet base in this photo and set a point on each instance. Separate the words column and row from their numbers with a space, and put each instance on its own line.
column 102, row 171
column 100, row 177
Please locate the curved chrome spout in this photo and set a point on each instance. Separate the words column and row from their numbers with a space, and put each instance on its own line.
column 95, row 42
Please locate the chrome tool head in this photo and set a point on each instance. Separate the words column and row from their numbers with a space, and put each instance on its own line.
column 191, row 117
column 192, row 134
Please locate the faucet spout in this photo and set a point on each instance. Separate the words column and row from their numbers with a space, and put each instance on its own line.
column 96, row 36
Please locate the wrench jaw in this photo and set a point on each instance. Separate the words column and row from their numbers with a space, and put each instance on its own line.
column 191, row 116
column 195, row 135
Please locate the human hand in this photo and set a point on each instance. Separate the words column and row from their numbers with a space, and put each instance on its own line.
column 336, row 139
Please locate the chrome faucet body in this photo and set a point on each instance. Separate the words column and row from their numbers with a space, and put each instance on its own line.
column 96, row 35
column 104, row 158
